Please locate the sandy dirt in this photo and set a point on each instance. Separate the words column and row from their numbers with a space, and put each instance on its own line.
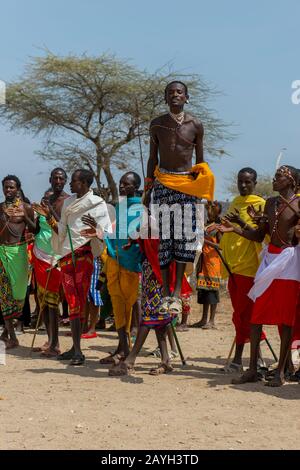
column 46, row 404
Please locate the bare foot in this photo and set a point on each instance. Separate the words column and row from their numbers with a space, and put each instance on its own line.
column 248, row 376
column 277, row 381
column 199, row 324
column 182, row 327
column 11, row 344
column 209, row 326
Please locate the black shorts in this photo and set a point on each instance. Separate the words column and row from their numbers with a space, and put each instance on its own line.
column 211, row 297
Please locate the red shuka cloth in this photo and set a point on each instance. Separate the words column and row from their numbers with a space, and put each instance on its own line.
column 278, row 304
column 41, row 275
column 296, row 328
column 76, row 281
column 239, row 286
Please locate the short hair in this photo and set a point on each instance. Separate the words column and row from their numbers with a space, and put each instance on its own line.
column 136, row 178
column 59, row 169
column 250, row 171
column 176, row 81
column 85, row 175
column 12, row 178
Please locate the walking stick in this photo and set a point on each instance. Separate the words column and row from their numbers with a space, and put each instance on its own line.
column 178, row 345
column 271, row 349
column 230, row 274
column 40, row 311
column 71, row 246
column 230, row 353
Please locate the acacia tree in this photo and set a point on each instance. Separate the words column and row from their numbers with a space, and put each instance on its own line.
column 95, row 111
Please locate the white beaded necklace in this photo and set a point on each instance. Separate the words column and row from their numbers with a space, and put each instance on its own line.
column 178, row 118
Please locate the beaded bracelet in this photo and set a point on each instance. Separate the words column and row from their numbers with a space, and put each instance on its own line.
column 148, row 184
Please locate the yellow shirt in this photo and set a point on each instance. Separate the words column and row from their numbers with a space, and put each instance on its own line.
column 242, row 255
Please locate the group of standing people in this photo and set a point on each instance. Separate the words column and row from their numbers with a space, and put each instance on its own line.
column 70, row 234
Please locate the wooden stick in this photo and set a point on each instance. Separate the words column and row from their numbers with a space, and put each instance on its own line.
column 40, row 312
column 230, row 353
column 178, row 345
column 290, row 206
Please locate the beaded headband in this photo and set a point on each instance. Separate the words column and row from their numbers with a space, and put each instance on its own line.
column 285, row 171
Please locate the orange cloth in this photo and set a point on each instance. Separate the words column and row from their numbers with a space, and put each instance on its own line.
column 202, row 186
column 123, row 288
column 209, row 276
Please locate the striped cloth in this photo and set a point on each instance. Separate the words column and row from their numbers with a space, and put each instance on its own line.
column 94, row 294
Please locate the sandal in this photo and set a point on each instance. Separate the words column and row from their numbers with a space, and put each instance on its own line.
column 41, row 348
column 173, row 355
column 162, row 369
column 164, row 306
column 77, row 360
column 50, row 353
column 121, row 369
column 175, row 307
column 66, row 356
column 11, row 344
column 89, row 335
column 111, row 359
column 233, row 368
column 156, row 353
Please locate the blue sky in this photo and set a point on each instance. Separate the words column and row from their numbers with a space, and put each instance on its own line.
column 248, row 50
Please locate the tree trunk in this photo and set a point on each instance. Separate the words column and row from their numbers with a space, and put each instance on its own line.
column 98, row 182
column 111, row 183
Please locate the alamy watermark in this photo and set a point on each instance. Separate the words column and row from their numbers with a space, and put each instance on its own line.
column 2, row 92
column 176, row 222
column 295, row 97
column 2, row 353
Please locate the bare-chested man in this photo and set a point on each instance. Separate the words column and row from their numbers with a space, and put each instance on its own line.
column 276, row 286
column 15, row 217
column 48, row 278
column 172, row 179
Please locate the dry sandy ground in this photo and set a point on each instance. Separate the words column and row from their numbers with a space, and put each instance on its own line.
column 49, row 405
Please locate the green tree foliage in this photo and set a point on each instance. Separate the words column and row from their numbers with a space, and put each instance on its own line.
column 95, row 111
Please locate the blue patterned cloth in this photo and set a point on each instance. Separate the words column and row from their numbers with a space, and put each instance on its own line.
column 94, row 294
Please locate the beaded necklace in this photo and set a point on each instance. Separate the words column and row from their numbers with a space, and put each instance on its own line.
column 278, row 212
column 14, row 204
column 178, row 118
column 172, row 129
